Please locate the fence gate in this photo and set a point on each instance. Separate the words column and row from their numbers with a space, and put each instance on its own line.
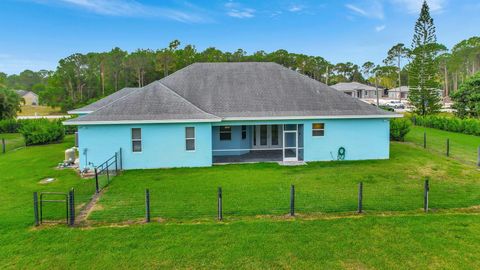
column 53, row 197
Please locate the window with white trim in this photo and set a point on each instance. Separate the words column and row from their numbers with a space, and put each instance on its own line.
column 318, row 129
column 225, row 133
column 136, row 140
column 190, row 138
column 244, row 132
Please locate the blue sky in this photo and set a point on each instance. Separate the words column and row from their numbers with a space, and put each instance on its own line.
column 37, row 33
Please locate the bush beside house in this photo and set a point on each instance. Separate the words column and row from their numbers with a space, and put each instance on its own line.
column 42, row 131
column 399, row 127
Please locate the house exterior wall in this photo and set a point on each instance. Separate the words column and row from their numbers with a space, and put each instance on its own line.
column 163, row 145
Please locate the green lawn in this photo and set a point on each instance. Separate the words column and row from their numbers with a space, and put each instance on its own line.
column 13, row 141
column 462, row 147
column 20, row 174
column 402, row 240
column 31, row 110
column 260, row 189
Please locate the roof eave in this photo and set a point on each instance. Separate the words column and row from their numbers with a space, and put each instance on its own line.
column 133, row 122
column 374, row 116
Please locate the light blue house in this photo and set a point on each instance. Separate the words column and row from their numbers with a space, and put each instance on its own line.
column 211, row 113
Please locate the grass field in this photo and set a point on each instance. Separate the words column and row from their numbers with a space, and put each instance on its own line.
column 447, row 239
column 261, row 189
column 30, row 110
column 462, row 147
column 12, row 141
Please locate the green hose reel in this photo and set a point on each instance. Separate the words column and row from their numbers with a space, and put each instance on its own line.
column 341, row 153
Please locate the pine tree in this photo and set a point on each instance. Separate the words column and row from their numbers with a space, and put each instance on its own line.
column 423, row 94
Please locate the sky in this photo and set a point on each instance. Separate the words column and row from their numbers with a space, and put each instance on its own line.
column 35, row 34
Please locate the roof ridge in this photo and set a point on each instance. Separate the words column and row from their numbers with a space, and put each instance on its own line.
column 113, row 102
column 331, row 89
column 188, row 101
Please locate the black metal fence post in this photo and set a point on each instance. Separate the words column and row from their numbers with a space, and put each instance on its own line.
column 116, row 164
column 96, row 181
column 425, row 195
column 424, row 139
column 220, row 210
column 360, row 197
column 108, row 176
column 121, row 161
column 35, row 208
column 147, row 205
column 4, row 146
column 292, row 200
column 71, row 203
column 76, row 138
column 448, row 147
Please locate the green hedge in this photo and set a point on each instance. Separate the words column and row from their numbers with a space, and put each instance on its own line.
column 42, row 131
column 9, row 126
column 467, row 126
column 14, row 126
column 399, row 127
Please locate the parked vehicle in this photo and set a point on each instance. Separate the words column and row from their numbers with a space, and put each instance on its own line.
column 395, row 104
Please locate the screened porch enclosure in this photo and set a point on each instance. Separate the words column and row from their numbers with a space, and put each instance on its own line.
column 257, row 143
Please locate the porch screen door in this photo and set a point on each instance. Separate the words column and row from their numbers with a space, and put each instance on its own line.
column 290, row 143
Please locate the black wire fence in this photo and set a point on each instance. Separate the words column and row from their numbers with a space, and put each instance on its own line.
column 232, row 203
column 449, row 147
column 11, row 142
column 72, row 206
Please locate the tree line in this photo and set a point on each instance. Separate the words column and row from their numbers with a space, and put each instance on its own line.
column 82, row 78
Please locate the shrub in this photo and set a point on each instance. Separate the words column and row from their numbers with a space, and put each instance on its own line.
column 454, row 124
column 42, row 131
column 9, row 126
column 399, row 127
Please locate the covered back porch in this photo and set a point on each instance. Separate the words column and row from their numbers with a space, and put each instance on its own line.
column 257, row 143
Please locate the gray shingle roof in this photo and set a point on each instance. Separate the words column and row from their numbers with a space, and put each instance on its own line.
column 215, row 91
column 401, row 88
column 104, row 101
column 151, row 103
column 350, row 86
column 261, row 90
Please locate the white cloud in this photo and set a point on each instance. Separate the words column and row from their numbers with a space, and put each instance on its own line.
column 296, row 8
column 414, row 6
column 356, row 9
column 236, row 10
column 128, row 8
column 380, row 28
column 368, row 8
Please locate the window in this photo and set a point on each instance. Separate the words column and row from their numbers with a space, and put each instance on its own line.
column 225, row 133
column 244, row 132
column 136, row 140
column 190, row 138
column 318, row 129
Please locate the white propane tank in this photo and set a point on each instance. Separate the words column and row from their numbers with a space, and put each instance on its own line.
column 70, row 155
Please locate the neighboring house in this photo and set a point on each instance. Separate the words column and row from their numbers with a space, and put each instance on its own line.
column 358, row 90
column 403, row 91
column 29, row 97
column 212, row 113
